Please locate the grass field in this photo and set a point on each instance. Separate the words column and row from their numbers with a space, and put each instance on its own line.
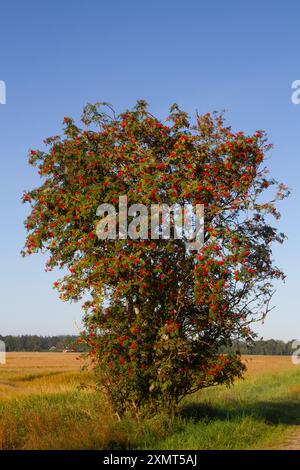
column 47, row 402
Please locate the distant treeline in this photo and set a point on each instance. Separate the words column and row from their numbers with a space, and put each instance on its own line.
column 38, row 343
column 33, row 343
column 272, row 347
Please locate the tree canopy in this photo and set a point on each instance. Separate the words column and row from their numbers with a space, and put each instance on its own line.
column 158, row 313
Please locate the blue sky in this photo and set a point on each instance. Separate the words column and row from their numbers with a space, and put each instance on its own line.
column 57, row 56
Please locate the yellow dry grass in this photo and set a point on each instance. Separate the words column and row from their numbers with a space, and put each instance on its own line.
column 38, row 373
column 46, row 361
column 267, row 364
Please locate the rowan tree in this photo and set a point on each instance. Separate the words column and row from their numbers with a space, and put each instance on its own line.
column 158, row 313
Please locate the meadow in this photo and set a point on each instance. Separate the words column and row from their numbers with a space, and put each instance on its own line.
column 48, row 402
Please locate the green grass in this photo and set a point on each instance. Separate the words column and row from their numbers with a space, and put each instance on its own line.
column 254, row 414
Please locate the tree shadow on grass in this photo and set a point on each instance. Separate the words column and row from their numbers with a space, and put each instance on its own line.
column 272, row 411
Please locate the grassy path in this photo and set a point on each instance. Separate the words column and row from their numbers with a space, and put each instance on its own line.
column 292, row 440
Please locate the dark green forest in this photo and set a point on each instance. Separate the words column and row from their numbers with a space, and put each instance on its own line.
column 39, row 343
column 31, row 343
column 272, row 347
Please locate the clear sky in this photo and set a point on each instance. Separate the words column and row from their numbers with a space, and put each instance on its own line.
column 58, row 55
